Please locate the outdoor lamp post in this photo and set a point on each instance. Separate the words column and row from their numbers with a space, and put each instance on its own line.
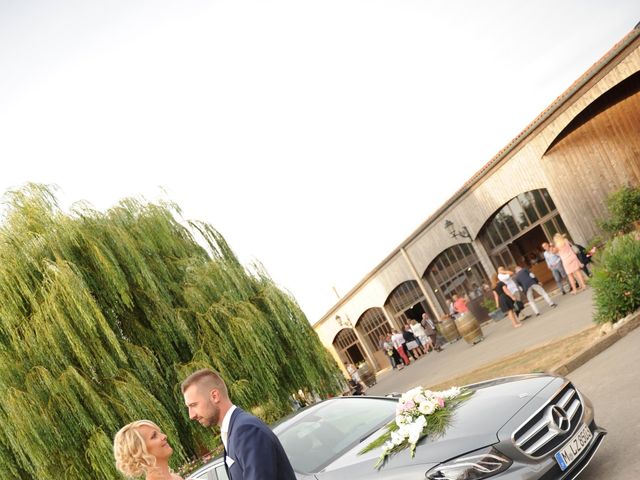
column 343, row 323
column 450, row 227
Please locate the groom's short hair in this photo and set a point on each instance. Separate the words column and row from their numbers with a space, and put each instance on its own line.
column 207, row 379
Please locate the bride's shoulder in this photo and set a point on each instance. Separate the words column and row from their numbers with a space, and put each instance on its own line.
column 175, row 476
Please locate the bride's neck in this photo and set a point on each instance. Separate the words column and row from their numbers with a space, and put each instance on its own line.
column 159, row 472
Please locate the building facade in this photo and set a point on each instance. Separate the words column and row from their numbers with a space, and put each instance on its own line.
column 554, row 177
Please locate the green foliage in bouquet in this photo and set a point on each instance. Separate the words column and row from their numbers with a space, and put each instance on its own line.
column 102, row 314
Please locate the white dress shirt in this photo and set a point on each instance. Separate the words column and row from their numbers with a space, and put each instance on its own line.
column 224, row 428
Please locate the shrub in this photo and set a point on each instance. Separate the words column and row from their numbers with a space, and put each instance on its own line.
column 616, row 280
column 624, row 210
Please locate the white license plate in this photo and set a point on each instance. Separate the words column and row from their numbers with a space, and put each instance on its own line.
column 574, row 447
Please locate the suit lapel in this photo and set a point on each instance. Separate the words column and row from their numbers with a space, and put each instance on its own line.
column 226, row 467
column 234, row 415
column 232, row 421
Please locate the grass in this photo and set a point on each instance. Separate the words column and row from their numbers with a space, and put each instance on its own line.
column 538, row 359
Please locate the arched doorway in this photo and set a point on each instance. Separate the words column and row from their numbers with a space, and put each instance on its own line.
column 514, row 234
column 406, row 302
column 371, row 324
column 348, row 348
column 456, row 270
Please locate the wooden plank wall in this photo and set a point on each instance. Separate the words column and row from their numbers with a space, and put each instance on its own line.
column 596, row 154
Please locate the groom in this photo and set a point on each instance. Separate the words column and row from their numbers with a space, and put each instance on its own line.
column 251, row 449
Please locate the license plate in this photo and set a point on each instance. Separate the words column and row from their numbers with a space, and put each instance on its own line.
column 574, row 447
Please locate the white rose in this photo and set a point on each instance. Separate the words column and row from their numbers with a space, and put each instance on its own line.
column 427, row 408
column 409, row 395
column 401, row 420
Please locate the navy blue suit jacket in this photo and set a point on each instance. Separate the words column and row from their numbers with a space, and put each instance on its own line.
column 523, row 278
column 255, row 450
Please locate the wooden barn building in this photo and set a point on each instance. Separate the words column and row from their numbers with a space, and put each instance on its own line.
column 553, row 177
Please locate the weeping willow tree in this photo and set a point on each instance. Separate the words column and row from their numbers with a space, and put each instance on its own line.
column 102, row 314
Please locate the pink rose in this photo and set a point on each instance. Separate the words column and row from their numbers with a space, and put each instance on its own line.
column 440, row 402
column 408, row 405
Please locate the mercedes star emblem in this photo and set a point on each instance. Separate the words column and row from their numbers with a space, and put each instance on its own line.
column 558, row 419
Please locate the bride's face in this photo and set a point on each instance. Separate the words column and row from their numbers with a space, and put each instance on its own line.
column 156, row 442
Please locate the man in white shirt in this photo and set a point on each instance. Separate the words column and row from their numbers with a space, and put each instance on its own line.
column 398, row 343
column 251, row 450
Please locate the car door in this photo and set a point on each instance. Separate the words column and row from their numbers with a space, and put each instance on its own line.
column 215, row 471
column 221, row 473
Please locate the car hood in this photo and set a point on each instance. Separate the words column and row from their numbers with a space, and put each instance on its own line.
column 474, row 425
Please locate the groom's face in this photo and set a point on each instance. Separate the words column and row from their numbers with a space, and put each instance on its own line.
column 202, row 406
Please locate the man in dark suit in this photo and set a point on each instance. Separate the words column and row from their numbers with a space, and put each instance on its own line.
column 529, row 284
column 251, row 449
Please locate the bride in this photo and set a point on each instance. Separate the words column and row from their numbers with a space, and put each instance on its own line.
column 141, row 449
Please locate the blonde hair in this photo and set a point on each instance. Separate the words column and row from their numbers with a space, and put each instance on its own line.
column 130, row 450
column 559, row 239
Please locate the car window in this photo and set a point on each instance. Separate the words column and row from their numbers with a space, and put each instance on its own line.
column 206, row 475
column 201, row 476
column 212, row 473
column 222, row 473
column 323, row 433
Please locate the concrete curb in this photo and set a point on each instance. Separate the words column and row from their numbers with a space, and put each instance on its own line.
column 621, row 329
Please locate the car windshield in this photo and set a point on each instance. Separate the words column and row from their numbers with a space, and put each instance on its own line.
column 317, row 436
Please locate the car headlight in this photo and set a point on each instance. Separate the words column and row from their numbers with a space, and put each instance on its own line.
column 476, row 465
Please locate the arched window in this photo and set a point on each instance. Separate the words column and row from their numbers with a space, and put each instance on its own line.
column 348, row 348
column 513, row 235
column 373, row 323
column 406, row 302
column 456, row 270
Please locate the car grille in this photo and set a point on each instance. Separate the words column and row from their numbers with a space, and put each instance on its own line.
column 551, row 425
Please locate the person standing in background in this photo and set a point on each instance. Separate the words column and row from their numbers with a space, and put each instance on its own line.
column 529, row 284
column 398, row 344
column 570, row 262
column 460, row 304
column 430, row 330
column 554, row 262
column 504, row 299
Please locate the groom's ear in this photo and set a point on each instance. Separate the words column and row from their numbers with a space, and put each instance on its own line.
column 214, row 395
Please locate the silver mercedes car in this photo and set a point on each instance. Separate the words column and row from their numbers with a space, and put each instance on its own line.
column 524, row 427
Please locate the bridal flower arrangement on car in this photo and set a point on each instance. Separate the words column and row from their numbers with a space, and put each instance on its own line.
column 419, row 413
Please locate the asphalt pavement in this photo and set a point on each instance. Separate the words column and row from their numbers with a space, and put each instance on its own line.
column 573, row 314
column 611, row 380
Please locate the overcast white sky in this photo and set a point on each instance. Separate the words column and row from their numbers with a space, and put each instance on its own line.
column 315, row 136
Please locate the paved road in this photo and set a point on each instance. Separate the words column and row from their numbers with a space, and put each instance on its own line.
column 573, row 314
column 612, row 382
